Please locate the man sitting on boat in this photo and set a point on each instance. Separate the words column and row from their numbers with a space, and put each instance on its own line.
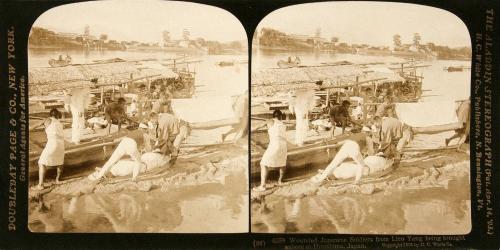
column 339, row 115
column 354, row 148
column 115, row 112
column 135, row 164
column 393, row 136
column 164, row 134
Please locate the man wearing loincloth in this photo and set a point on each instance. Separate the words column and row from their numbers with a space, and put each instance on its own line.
column 115, row 113
column 117, row 165
column 339, row 115
column 354, row 148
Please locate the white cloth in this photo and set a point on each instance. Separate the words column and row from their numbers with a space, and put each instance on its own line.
column 349, row 149
column 123, row 167
column 423, row 114
column 203, row 109
column 151, row 160
column 301, row 105
column 53, row 153
column 78, row 102
column 347, row 169
column 276, row 152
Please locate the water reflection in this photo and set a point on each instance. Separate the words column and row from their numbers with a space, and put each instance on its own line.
column 206, row 208
column 425, row 211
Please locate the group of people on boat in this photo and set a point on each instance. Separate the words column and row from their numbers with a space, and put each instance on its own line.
column 382, row 134
column 162, row 134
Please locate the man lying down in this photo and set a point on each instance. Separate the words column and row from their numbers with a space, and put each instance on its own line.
column 354, row 147
column 137, row 163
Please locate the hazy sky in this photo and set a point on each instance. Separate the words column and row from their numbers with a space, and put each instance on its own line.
column 371, row 23
column 144, row 20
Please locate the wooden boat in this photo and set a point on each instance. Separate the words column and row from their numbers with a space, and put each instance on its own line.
column 60, row 62
column 290, row 63
column 316, row 152
column 225, row 63
column 456, row 68
column 94, row 149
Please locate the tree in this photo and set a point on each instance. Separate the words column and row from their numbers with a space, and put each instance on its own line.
column 103, row 37
column 397, row 40
column 334, row 40
column 416, row 40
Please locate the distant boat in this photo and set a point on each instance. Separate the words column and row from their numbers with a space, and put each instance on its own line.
column 293, row 61
column 60, row 62
column 225, row 63
column 456, row 68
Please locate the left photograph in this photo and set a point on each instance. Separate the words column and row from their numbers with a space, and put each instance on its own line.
column 138, row 119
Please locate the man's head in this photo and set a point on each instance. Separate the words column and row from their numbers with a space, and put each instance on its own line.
column 377, row 121
column 346, row 104
column 387, row 99
column 121, row 101
column 153, row 117
column 54, row 113
column 277, row 114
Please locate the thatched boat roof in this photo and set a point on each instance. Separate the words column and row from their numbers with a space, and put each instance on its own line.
column 270, row 81
column 43, row 80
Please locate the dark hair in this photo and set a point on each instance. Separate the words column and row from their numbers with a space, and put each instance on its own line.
column 376, row 118
column 153, row 114
column 346, row 103
column 121, row 100
column 278, row 114
column 55, row 113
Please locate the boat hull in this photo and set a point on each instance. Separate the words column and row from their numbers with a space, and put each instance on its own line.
column 83, row 154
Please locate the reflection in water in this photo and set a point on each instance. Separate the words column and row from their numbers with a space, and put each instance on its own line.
column 424, row 211
column 205, row 208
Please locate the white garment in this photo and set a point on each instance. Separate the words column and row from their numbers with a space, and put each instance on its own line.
column 376, row 164
column 53, row 153
column 78, row 101
column 151, row 160
column 302, row 104
column 123, row 167
column 275, row 155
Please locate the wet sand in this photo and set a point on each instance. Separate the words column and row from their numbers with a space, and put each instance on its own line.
column 206, row 190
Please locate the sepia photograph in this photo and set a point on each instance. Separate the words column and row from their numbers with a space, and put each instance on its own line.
column 138, row 119
column 360, row 119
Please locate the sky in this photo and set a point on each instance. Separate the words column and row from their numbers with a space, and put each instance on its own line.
column 144, row 20
column 373, row 23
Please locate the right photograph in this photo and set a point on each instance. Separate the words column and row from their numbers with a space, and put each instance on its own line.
column 360, row 119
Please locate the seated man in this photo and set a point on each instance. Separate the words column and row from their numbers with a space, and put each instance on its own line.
column 115, row 112
column 339, row 115
column 165, row 132
column 393, row 136
column 353, row 148
column 136, row 164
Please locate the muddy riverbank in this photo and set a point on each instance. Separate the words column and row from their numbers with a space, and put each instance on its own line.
column 433, row 182
column 207, row 182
